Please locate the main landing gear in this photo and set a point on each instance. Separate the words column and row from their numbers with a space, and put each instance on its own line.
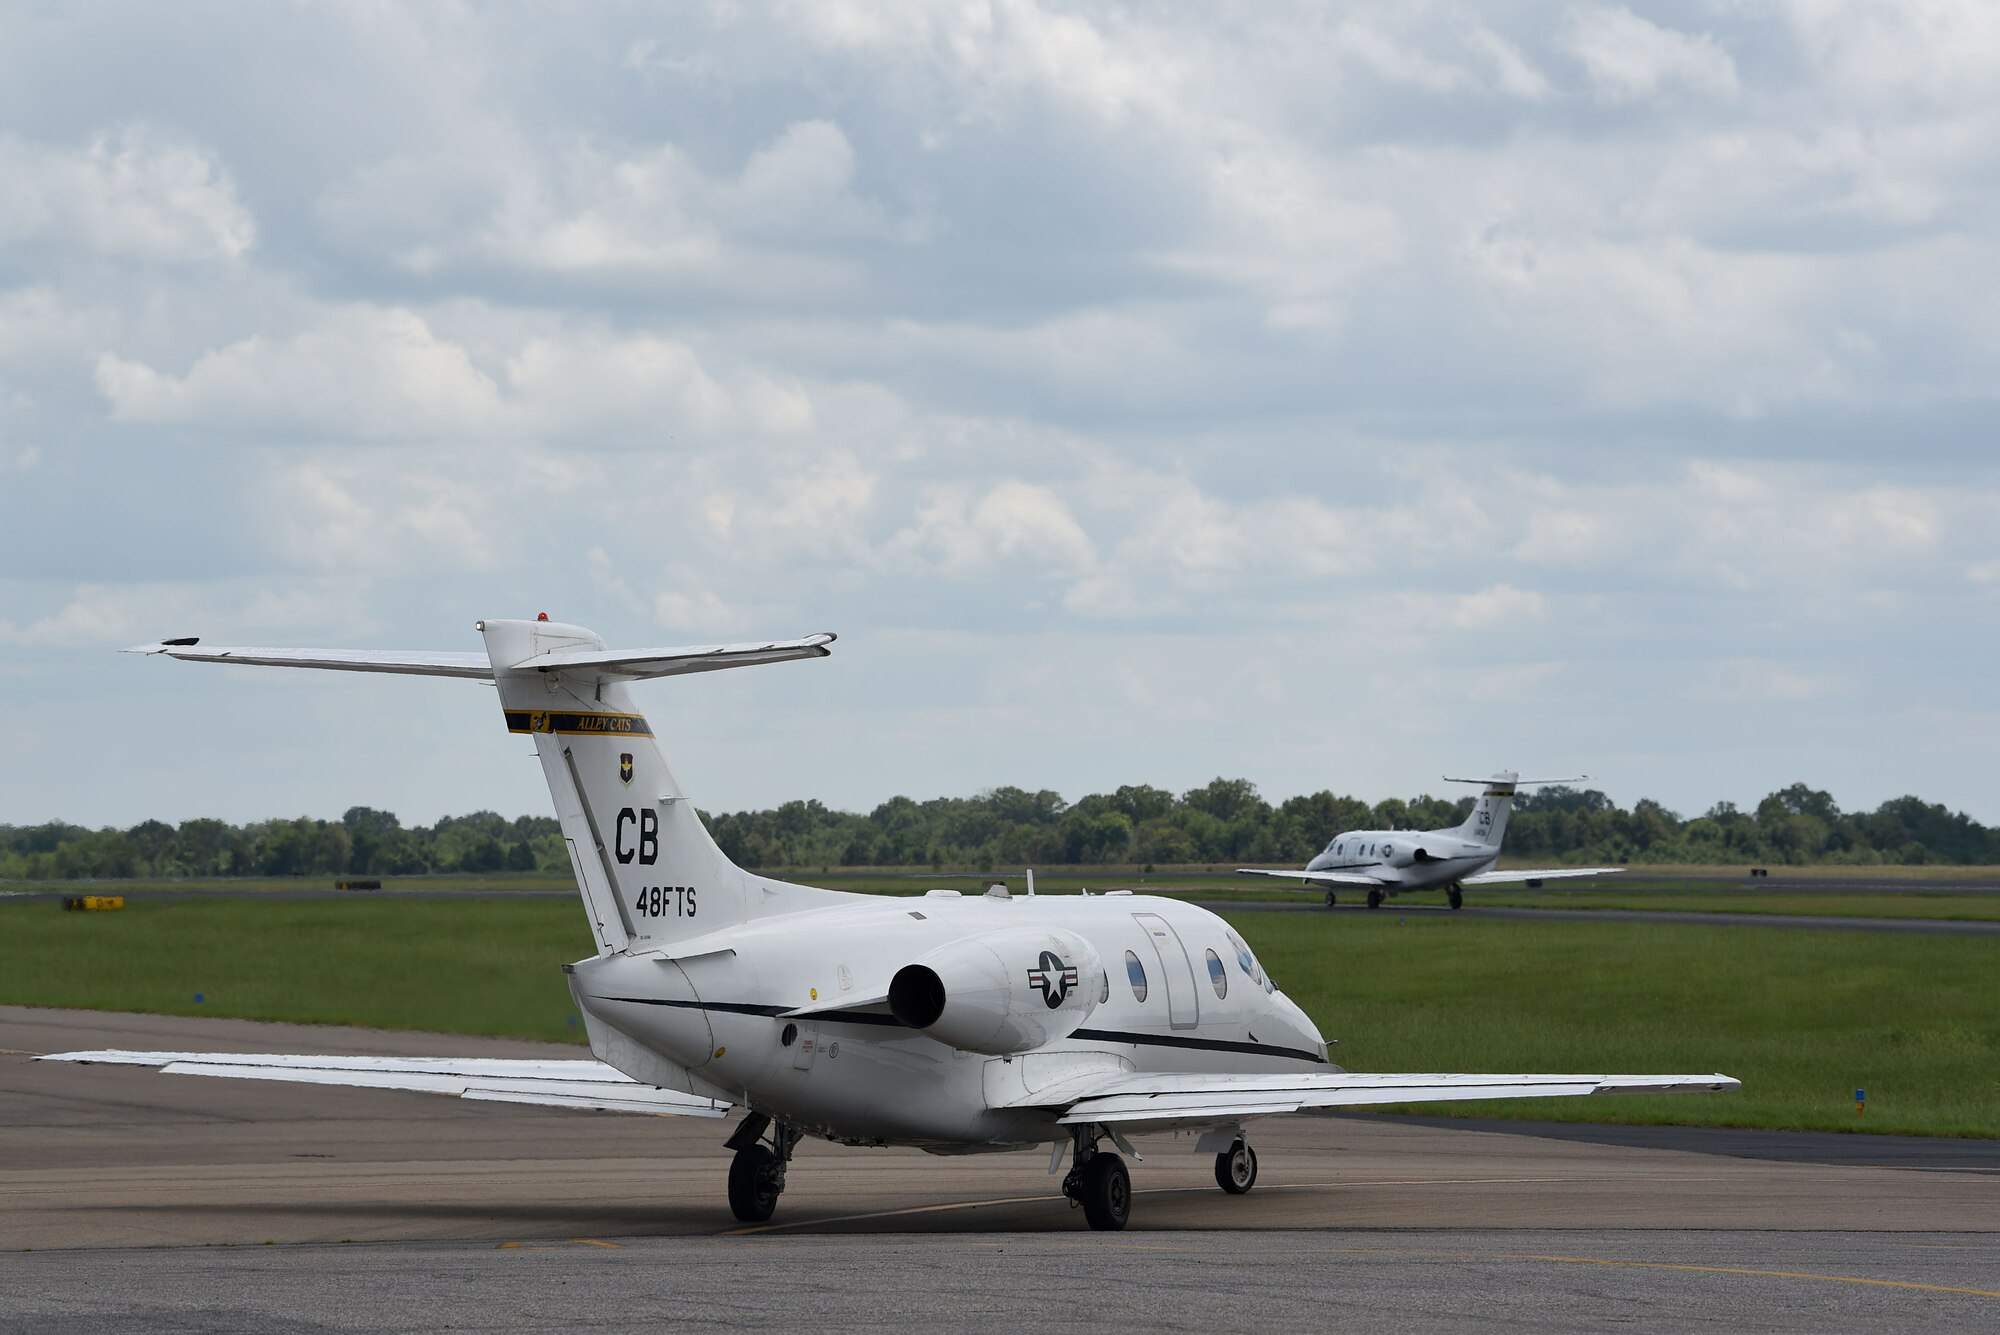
column 1097, row 1181
column 757, row 1173
column 1236, row 1169
column 1455, row 897
column 1329, row 899
column 1374, row 899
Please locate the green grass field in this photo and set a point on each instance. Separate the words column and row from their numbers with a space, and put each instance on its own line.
column 1802, row 1018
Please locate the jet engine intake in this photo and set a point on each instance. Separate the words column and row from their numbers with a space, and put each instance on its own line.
column 1000, row 993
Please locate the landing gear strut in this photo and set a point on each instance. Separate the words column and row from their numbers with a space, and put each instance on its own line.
column 1374, row 899
column 1455, row 897
column 757, row 1173
column 1098, row 1182
column 1236, row 1169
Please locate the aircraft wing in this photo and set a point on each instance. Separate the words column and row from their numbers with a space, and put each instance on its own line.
column 1315, row 877
column 1556, row 874
column 589, row 1085
column 1171, row 1102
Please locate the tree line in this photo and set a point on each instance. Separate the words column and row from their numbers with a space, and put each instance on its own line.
column 1224, row 822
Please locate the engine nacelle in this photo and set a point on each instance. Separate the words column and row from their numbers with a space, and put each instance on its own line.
column 1000, row 993
column 1406, row 855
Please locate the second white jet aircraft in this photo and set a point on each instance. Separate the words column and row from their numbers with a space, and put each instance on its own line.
column 1386, row 863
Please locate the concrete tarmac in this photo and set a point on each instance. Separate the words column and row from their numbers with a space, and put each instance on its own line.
column 413, row 1211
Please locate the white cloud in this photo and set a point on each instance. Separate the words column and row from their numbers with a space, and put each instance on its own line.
column 373, row 373
column 1630, row 59
column 131, row 194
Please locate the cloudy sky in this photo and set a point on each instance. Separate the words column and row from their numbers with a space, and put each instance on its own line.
column 1338, row 396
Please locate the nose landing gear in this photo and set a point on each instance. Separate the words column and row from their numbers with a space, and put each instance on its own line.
column 757, row 1173
column 1236, row 1169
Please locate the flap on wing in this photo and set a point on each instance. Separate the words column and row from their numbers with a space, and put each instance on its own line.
column 559, row 1084
column 1555, row 874
column 1164, row 1101
column 1315, row 877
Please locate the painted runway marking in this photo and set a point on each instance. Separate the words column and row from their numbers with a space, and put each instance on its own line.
column 1184, row 1191
column 1769, row 1274
column 1665, row 1265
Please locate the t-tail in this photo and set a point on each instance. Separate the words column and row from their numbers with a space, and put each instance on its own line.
column 1488, row 822
column 648, row 871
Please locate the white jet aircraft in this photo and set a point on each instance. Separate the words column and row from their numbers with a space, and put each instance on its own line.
column 1393, row 862
column 957, row 1024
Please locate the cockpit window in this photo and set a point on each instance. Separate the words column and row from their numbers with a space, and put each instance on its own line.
column 1137, row 973
column 1217, row 975
column 1246, row 962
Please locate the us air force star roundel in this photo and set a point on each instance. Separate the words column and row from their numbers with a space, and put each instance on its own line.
column 625, row 767
column 1053, row 979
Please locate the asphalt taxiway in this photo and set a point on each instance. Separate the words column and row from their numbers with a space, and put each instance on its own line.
column 148, row 1202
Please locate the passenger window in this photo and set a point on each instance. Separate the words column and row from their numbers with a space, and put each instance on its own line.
column 1137, row 973
column 1218, row 975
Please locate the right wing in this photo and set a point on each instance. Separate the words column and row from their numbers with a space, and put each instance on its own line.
column 1170, row 1102
column 557, row 1084
column 1316, row 877
column 1557, row 874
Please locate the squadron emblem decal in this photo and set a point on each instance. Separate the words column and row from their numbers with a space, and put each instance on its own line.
column 625, row 767
column 1053, row 979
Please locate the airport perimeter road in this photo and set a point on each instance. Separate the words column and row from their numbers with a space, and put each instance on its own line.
column 100, row 1156
column 509, row 1218
column 1564, row 1280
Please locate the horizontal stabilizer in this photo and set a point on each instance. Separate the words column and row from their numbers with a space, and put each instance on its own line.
column 598, row 664
column 556, row 1084
column 414, row 662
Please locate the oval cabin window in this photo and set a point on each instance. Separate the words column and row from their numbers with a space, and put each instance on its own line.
column 1137, row 973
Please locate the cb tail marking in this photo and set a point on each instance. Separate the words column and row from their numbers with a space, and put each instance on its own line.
column 590, row 725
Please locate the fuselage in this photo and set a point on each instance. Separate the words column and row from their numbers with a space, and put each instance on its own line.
column 1172, row 989
column 1406, row 859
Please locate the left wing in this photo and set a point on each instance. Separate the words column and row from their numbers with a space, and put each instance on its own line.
column 1167, row 1102
column 556, row 1084
column 1503, row 877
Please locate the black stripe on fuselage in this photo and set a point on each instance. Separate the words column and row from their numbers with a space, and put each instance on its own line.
column 1097, row 1035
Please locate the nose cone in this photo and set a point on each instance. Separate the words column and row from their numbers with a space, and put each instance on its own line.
column 1298, row 1027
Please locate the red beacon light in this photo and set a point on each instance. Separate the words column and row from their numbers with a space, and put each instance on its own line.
column 541, row 616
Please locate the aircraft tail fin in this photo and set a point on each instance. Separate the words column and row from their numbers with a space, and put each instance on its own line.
column 649, row 873
column 1487, row 824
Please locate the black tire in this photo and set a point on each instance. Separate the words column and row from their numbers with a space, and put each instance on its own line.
column 1457, row 899
column 1236, row 1169
column 1374, row 899
column 1107, row 1192
column 753, row 1188
column 1329, row 899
